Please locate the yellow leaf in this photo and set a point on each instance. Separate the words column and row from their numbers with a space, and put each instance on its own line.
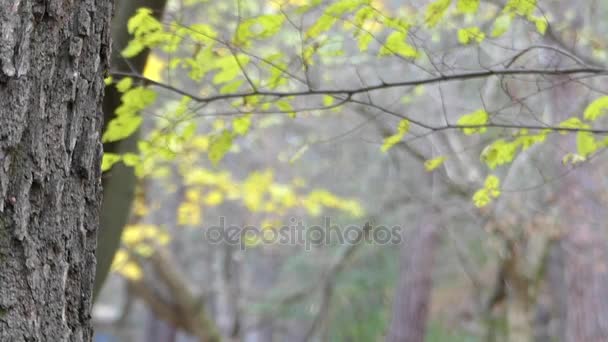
column 214, row 198
column 492, row 182
column 435, row 12
column 467, row 6
column 131, row 271
column 477, row 118
column 596, row 109
column 402, row 129
column 154, row 67
column 466, row 35
column 434, row 163
column 189, row 214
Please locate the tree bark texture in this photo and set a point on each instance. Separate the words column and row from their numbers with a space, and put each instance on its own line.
column 53, row 57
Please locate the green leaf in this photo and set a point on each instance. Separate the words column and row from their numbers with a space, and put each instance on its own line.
column 131, row 159
column 241, row 124
column 341, row 7
column 139, row 19
column 466, row 35
column 328, row 100
column 586, row 144
column 363, row 41
column 501, row 25
column 396, row 44
column 498, row 153
column 435, row 12
column 492, row 182
column 125, row 84
column 520, row 7
column 134, row 47
column 322, row 25
column 432, row 164
column 219, row 146
column 231, row 87
column 202, row 33
column 108, row 160
column 467, row 6
column 490, row 191
column 596, row 109
column 121, row 127
column 479, row 117
column 572, row 123
column 402, row 128
column 127, row 119
column 147, row 31
column 526, row 140
column 285, row 107
column 260, row 27
column 229, row 67
column 481, row 198
column 541, row 23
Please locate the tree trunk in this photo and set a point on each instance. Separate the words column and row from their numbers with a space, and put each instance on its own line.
column 585, row 261
column 53, row 56
column 583, row 244
column 413, row 292
column 119, row 184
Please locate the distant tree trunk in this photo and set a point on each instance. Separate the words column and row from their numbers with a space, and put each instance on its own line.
column 585, row 262
column 583, row 245
column 53, row 57
column 119, row 184
column 413, row 292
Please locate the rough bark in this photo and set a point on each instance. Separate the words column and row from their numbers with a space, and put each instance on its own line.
column 119, row 184
column 413, row 292
column 53, row 57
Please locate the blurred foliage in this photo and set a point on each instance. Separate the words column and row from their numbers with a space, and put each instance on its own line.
column 256, row 65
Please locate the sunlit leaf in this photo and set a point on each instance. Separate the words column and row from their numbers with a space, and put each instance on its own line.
column 596, row 109
column 477, row 118
column 328, row 100
column 572, row 123
column 467, row 35
column 436, row 11
column 402, row 129
column 520, row 7
column 396, row 44
column 541, row 23
column 219, row 146
column 498, row 153
column 490, row 191
column 154, row 67
column 501, row 25
column 108, row 160
column 432, row 164
column 241, row 124
column 467, row 6
column 124, row 84
column 285, row 107
column 586, row 144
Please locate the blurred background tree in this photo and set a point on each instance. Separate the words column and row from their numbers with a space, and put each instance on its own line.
column 476, row 127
